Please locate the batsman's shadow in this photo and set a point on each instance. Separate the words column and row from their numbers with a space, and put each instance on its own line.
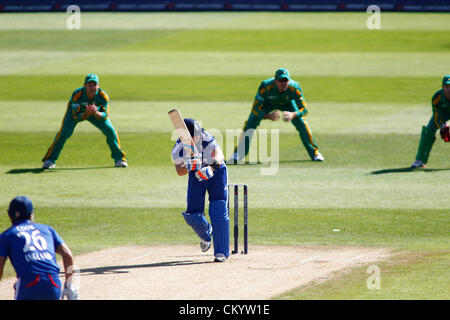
column 125, row 268
column 408, row 169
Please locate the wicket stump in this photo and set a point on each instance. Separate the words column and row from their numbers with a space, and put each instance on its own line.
column 235, row 187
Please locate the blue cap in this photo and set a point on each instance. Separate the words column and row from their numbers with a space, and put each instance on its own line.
column 20, row 208
column 282, row 73
column 91, row 77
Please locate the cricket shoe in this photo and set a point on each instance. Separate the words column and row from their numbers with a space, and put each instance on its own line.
column 418, row 164
column 121, row 164
column 48, row 164
column 220, row 257
column 318, row 157
column 205, row 245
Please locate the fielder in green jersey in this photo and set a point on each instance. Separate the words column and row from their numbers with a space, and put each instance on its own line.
column 274, row 94
column 440, row 103
column 90, row 103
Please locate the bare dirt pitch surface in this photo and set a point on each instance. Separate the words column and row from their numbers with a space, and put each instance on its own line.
column 183, row 272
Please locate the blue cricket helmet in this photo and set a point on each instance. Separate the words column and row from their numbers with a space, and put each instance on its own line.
column 193, row 127
column 20, row 208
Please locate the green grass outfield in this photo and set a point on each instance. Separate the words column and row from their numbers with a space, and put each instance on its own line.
column 368, row 93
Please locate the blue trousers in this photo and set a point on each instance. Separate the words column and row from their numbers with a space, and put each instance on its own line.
column 38, row 287
column 194, row 215
column 216, row 187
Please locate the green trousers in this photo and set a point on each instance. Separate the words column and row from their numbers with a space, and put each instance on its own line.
column 67, row 128
column 427, row 139
column 299, row 123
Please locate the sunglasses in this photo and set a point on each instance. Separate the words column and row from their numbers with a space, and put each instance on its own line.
column 283, row 80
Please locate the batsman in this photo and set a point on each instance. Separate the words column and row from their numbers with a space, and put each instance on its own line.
column 207, row 172
column 440, row 103
column 278, row 93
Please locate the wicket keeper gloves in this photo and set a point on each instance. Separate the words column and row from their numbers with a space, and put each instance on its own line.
column 69, row 292
column 192, row 164
column 204, row 173
column 445, row 132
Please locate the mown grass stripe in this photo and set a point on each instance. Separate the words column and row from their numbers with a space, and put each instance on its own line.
column 220, row 88
column 288, row 40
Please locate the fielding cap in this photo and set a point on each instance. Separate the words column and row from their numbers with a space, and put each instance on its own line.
column 446, row 80
column 20, row 208
column 91, row 77
column 282, row 73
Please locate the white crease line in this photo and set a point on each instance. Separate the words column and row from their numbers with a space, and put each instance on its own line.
column 355, row 258
column 310, row 259
column 375, row 253
column 139, row 257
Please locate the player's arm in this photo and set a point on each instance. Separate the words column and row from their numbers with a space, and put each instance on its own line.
column 217, row 156
column 69, row 290
column 3, row 255
column 181, row 169
column 68, row 262
column 258, row 104
column 298, row 104
column 437, row 117
column 177, row 158
column 2, row 265
column 101, row 112
column 75, row 106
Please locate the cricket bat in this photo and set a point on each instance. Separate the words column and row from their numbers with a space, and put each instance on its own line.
column 183, row 132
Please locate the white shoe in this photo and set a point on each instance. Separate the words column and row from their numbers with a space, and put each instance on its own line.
column 220, row 257
column 48, row 164
column 318, row 157
column 205, row 245
column 121, row 164
column 418, row 164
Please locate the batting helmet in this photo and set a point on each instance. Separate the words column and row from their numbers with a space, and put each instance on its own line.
column 193, row 127
column 20, row 208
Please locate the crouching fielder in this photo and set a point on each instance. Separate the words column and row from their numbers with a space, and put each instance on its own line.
column 207, row 172
column 441, row 114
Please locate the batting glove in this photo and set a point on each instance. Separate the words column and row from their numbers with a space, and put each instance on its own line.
column 193, row 164
column 69, row 292
column 204, row 173
column 445, row 132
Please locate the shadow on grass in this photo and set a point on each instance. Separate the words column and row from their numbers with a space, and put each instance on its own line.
column 123, row 269
column 298, row 161
column 407, row 169
column 40, row 170
column 247, row 163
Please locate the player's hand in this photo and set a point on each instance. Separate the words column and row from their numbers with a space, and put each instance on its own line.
column 91, row 109
column 288, row 116
column 204, row 173
column 445, row 132
column 274, row 116
column 192, row 164
column 70, row 292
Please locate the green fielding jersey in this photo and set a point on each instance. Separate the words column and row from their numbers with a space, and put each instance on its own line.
column 269, row 97
column 441, row 108
column 79, row 101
